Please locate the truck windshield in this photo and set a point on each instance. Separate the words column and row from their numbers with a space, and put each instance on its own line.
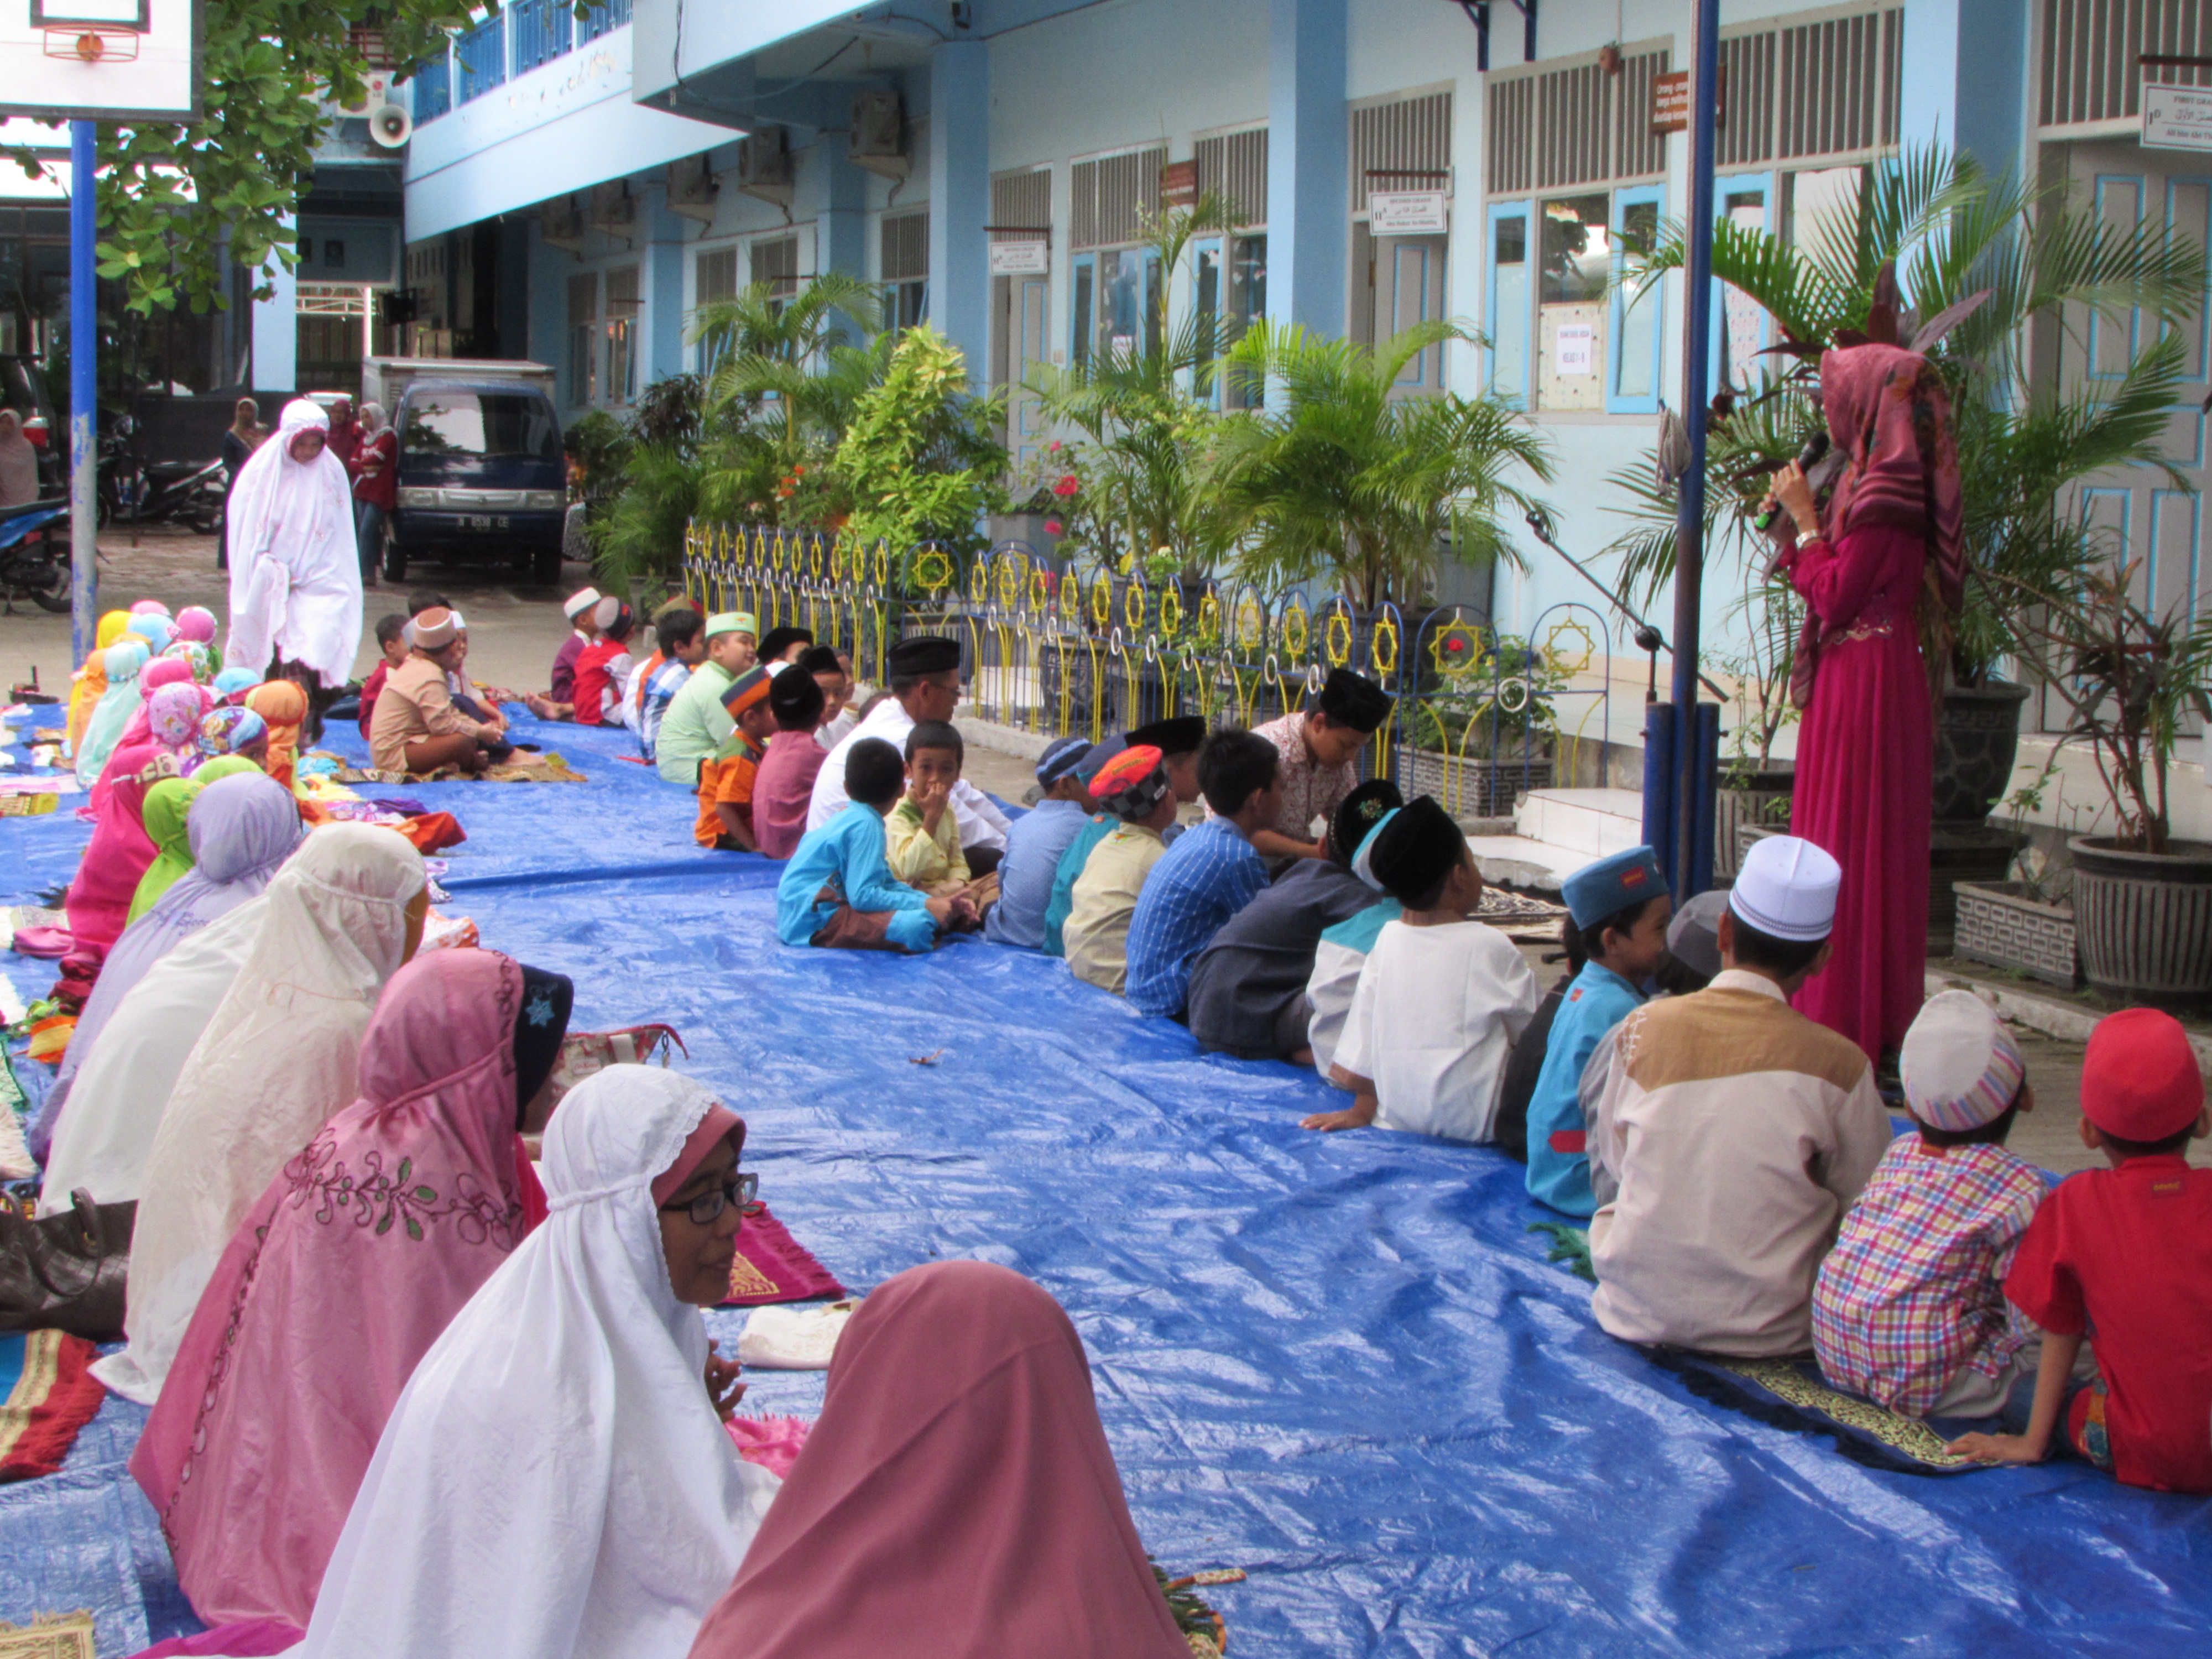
column 487, row 423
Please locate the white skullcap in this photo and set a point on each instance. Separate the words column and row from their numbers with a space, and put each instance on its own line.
column 1787, row 889
column 1959, row 1066
column 578, row 602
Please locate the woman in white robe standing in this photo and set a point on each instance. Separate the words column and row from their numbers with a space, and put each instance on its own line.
column 278, row 1060
column 295, row 562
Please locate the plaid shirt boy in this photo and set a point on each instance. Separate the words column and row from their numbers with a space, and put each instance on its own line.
column 1911, row 1295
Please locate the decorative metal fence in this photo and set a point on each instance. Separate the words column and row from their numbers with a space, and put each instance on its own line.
column 1477, row 718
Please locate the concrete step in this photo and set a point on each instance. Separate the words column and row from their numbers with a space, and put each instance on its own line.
column 1518, row 861
column 1588, row 823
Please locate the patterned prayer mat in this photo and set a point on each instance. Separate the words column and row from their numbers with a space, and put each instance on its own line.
column 1790, row 1393
column 62, row 1636
column 50, row 1396
column 772, row 1265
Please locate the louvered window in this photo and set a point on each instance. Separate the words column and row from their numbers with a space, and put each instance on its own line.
column 1402, row 145
column 1573, row 124
column 621, row 334
column 1234, row 166
column 716, row 276
column 1795, row 89
column 1112, row 196
column 1021, row 206
column 775, row 261
column 904, row 255
column 2090, row 48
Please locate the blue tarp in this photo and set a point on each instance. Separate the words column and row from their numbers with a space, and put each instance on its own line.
column 1339, row 1362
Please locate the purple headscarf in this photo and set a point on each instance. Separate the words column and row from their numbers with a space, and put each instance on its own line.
column 242, row 829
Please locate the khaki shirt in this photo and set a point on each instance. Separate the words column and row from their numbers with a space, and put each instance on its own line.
column 415, row 704
column 1096, row 935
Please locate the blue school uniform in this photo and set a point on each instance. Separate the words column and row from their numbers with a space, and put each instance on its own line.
column 1064, row 877
column 845, row 857
column 1559, row 1162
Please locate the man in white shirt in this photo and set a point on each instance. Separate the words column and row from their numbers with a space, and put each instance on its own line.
column 924, row 673
column 1441, row 998
column 1739, row 1131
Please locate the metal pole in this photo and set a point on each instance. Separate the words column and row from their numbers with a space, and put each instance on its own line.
column 1690, row 497
column 84, row 396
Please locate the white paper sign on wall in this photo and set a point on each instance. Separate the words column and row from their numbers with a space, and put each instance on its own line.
column 1577, row 349
column 2177, row 118
column 1020, row 258
column 1407, row 213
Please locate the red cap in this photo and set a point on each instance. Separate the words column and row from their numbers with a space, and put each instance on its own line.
column 2140, row 1079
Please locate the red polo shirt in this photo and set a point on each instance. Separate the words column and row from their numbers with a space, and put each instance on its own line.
column 2125, row 1256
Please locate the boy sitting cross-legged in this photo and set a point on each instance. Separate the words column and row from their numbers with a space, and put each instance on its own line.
column 726, row 781
column 2126, row 1253
column 1442, row 997
column 922, row 834
column 1909, row 1309
column 838, row 891
column 1134, row 789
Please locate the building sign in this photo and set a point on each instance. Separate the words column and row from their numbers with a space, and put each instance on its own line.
column 1577, row 352
column 1670, row 101
column 1408, row 212
column 2177, row 118
column 1020, row 258
column 1178, row 184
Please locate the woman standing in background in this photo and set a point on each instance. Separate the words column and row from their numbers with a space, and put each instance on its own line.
column 243, row 438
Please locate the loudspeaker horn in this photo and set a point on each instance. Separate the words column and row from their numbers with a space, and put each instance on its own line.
column 391, row 125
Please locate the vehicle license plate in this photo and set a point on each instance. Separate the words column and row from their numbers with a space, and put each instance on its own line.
column 483, row 521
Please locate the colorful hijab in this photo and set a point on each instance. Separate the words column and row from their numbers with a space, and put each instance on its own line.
column 156, row 630
column 554, row 1483
column 165, row 812
column 119, row 668
column 333, row 1287
column 224, row 731
column 91, row 676
column 196, row 622
column 149, row 608
column 161, row 671
column 957, row 1496
column 283, row 705
column 333, row 931
column 232, row 685
column 1889, row 417
column 241, row 828
column 200, row 658
column 172, row 718
column 106, row 879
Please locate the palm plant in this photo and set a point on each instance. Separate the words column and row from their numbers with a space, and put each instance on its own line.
column 1988, row 261
column 786, row 373
column 1146, row 412
column 1343, row 481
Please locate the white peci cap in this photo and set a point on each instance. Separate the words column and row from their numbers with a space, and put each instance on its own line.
column 578, row 602
column 1787, row 889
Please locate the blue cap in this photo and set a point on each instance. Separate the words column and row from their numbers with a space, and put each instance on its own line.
column 1094, row 762
column 1062, row 757
column 1612, row 885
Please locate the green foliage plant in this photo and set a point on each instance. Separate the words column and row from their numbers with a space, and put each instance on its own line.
column 923, row 456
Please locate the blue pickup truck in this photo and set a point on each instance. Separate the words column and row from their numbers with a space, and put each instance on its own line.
column 481, row 478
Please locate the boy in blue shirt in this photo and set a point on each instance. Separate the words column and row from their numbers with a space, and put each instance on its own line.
column 1620, row 906
column 1209, row 874
column 838, row 890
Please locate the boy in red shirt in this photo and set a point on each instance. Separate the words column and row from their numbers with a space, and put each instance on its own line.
column 2125, row 1255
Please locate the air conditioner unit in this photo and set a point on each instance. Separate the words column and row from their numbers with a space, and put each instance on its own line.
column 876, row 141
column 375, row 93
column 692, row 187
column 614, row 210
column 765, row 166
column 560, row 225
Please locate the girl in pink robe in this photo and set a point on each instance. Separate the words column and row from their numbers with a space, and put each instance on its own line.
column 119, row 852
column 1889, row 552
column 340, row 1278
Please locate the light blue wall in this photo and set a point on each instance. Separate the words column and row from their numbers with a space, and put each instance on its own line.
column 1306, row 160
column 960, row 197
column 1965, row 77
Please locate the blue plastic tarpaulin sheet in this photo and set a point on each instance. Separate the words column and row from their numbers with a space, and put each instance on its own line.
column 1339, row 1362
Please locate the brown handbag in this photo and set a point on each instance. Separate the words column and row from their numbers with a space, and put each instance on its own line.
column 66, row 1272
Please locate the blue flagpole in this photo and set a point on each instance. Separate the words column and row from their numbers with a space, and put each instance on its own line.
column 83, row 395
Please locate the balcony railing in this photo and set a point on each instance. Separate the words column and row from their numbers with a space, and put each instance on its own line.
column 541, row 31
column 492, row 53
column 481, row 56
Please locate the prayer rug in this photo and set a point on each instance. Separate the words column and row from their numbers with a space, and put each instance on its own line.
column 771, row 1266
column 50, row 1396
column 61, row 1636
column 534, row 768
column 1790, row 1394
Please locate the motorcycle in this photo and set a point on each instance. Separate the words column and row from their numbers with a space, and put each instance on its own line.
column 34, row 554
column 132, row 491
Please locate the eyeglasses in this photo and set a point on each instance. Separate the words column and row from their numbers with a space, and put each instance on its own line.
column 739, row 1189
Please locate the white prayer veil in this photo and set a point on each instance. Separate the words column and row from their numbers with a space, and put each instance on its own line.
column 294, row 558
column 554, row 1483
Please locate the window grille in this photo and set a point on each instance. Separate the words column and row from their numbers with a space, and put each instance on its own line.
column 775, row 261
column 2089, row 52
column 716, row 276
column 541, row 32
column 1746, row 135
column 1114, row 195
column 482, row 54
column 1021, row 205
column 905, row 248
column 1235, row 164
column 433, row 89
column 603, row 19
column 1574, row 124
column 1828, row 86
column 1403, row 144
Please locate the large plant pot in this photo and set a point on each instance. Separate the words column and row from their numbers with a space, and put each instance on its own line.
column 1756, row 793
column 2145, row 921
column 1474, row 785
column 1999, row 924
column 1977, row 740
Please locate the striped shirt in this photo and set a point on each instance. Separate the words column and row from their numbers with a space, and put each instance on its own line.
column 1911, row 1295
column 1205, row 877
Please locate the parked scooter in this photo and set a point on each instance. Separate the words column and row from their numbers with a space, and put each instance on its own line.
column 133, row 492
column 34, row 555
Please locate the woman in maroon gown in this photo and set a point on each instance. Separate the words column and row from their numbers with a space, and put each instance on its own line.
column 1884, row 554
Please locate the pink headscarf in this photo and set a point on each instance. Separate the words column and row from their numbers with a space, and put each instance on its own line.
column 335, row 1286
column 117, row 856
column 956, row 1496
column 196, row 622
column 149, row 608
column 163, row 670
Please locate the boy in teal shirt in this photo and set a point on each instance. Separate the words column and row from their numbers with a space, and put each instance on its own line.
column 1621, row 906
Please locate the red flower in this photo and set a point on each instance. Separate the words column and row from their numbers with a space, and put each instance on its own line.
column 1067, row 485
column 1052, row 527
column 1053, row 448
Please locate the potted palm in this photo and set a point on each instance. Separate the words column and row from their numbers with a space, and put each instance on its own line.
column 2142, row 900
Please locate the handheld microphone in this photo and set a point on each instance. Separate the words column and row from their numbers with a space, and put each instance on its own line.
column 1807, row 459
